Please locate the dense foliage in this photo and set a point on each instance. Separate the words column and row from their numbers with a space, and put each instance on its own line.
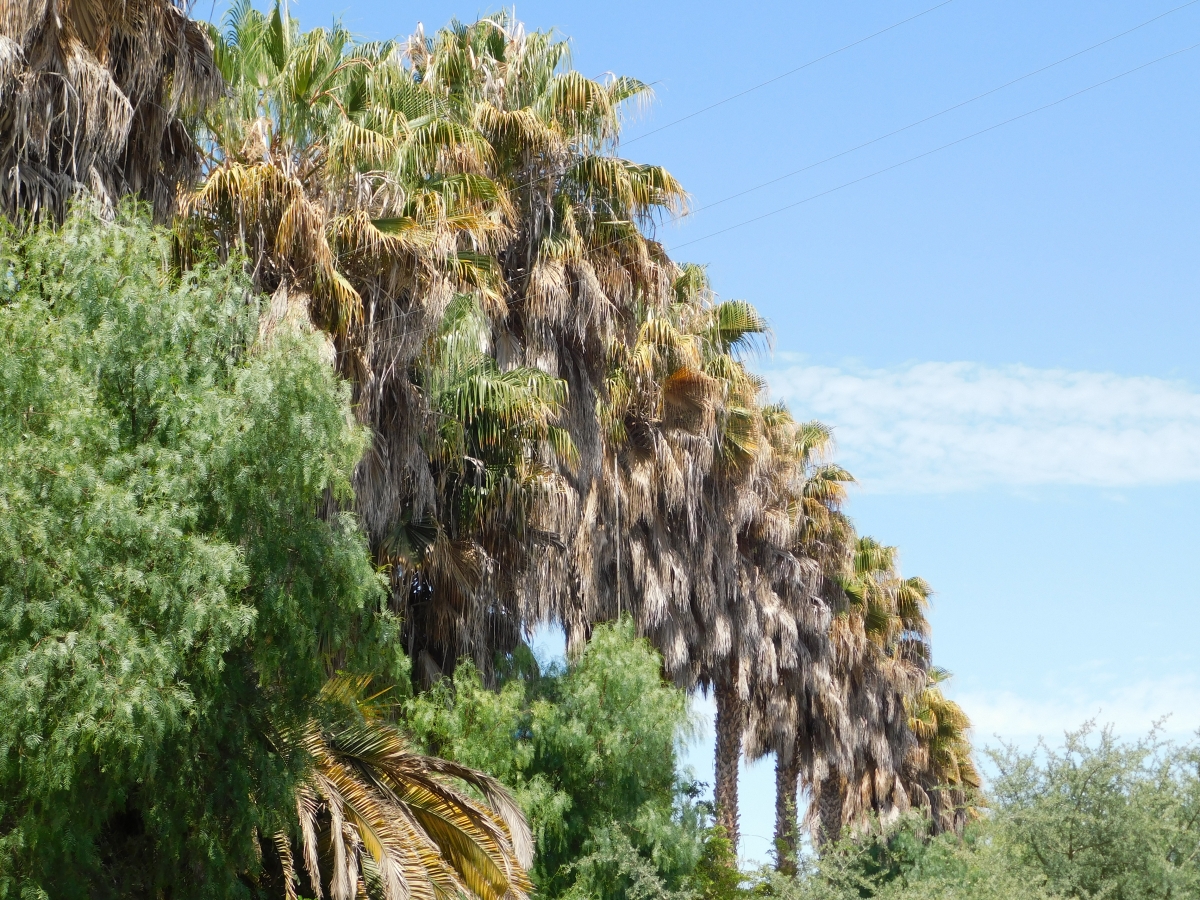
column 179, row 584
column 1094, row 818
column 170, row 598
column 591, row 751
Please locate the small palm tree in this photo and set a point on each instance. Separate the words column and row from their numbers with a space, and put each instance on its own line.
column 379, row 820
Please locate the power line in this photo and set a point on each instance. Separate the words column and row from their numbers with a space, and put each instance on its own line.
column 811, row 62
column 897, row 165
column 935, row 115
column 911, row 159
column 919, row 156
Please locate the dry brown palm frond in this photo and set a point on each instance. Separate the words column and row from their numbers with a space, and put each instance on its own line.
column 96, row 96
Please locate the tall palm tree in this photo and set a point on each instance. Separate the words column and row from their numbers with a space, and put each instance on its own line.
column 799, row 716
column 98, row 95
column 375, row 819
column 881, row 657
column 686, row 431
column 577, row 264
column 709, row 499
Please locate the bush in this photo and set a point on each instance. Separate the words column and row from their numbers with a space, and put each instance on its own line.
column 1101, row 818
column 1093, row 819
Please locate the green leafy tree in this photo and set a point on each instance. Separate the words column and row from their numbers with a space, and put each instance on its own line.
column 175, row 579
column 1102, row 818
column 901, row 862
column 590, row 751
column 1094, row 818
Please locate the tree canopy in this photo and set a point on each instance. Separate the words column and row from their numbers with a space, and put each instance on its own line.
column 178, row 578
column 592, row 751
column 402, row 374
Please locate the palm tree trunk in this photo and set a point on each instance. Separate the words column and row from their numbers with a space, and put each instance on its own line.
column 830, row 801
column 728, row 754
column 787, row 830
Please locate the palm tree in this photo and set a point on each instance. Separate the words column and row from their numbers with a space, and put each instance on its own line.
column 799, row 716
column 940, row 773
column 376, row 819
column 712, row 498
column 685, row 429
column 881, row 656
column 98, row 95
column 576, row 263
column 362, row 187
column 738, row 517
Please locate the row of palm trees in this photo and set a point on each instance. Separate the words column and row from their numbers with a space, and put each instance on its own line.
column 564, row 424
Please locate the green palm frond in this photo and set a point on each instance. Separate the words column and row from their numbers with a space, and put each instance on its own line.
column 735, row 324
column 691, row 286
column 378, row 819
column 624, row 88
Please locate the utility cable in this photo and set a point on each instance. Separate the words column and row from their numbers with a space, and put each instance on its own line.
column 800, row 68
column 903, row 162
column 935, row 115
column 953, row 143
column 911, row 125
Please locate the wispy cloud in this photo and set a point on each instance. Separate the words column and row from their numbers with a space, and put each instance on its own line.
column 958, row 426
column 1131, row 709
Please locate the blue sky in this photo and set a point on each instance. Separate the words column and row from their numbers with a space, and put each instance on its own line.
column 1002, row 333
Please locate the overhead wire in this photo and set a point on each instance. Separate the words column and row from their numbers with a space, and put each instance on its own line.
column 800, row 68
column 938, row 149
column 893, row 133
column 903, row 162
column 935, row 115
column 927, row 153
column 749, row 90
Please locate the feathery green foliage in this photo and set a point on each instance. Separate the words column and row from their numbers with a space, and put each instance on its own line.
column 591, row 752
column 170, row 598
column 1098, row 817
column 1095, row 818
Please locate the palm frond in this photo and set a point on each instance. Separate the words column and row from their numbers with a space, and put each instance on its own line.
column 373, row 806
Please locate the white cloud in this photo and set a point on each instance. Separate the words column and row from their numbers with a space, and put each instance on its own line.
column 1130, row 708
column 958, row 426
